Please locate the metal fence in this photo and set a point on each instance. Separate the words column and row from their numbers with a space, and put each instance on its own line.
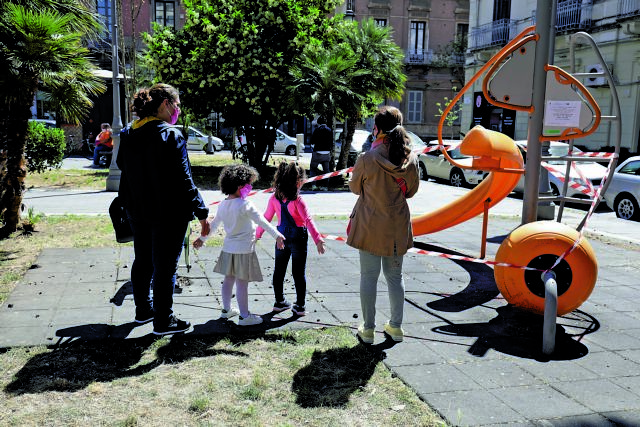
column 628, row 8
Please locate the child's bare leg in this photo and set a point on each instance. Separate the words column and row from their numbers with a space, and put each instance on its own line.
column 227, row 291
column 242, row 295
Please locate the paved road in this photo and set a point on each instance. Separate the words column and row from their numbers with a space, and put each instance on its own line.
column 431, row 196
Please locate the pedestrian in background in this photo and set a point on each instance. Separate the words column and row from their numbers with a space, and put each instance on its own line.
column 238, row 260
column 380, row 223
column 158, row 193
column 104, row 142
column 322, row 141
column 295, row 223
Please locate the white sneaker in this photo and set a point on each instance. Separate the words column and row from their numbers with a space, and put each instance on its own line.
column 228, row 314
column 251, row 319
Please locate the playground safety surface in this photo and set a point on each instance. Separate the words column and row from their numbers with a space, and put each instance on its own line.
column 467, row 353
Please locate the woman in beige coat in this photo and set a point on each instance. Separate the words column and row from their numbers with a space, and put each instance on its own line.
column 380, row 224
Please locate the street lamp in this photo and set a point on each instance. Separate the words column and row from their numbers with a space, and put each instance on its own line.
column 113, row 180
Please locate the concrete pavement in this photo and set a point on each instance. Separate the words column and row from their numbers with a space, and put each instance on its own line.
column 469, row 355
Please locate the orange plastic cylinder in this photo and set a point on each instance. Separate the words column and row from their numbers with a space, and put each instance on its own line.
column 538, row 245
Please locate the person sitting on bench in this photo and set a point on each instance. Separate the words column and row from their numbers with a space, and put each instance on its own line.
column 104, row 142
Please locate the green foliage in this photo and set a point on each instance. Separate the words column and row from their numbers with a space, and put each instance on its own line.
column 45, row 148
column 233, row 56
column 452, row 116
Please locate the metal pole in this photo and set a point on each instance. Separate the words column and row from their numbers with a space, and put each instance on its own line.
column 550, row 312
column 113, row 180
column 532, row 169
column 546, row 210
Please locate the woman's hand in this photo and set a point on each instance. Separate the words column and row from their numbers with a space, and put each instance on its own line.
column 321, row 247
column 280, row 242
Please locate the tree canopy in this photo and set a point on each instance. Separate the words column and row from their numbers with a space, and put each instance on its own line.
column 233, row 57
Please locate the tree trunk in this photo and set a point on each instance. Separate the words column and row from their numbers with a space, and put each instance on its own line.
column 346, row 145
column 12, row 184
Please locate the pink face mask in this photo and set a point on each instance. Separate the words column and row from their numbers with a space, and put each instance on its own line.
column 174, row 116
column 244, row 191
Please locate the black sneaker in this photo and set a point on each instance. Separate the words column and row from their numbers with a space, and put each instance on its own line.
column 299, row 310
column 144, row 315
column 172, row 326
column 281, row 306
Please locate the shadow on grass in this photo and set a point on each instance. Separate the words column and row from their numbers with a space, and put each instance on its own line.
column 334, row 375
column 80, row 359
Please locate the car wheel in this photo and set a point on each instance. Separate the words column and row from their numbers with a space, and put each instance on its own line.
column 456, row 178
column 626, row 207
column 423, row 172
column 291, row 151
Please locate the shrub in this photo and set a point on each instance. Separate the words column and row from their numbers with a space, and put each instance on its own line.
column 45, row 147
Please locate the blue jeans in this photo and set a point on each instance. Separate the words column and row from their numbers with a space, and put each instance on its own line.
column 96, row 153
column 369, row 272
column 295, row 247
column 157, row 247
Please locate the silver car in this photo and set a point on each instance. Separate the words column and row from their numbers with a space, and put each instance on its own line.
column 435, row 165
column 623, row 193
column 199, row 141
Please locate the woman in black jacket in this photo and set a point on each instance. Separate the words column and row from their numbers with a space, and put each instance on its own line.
column 161, row 199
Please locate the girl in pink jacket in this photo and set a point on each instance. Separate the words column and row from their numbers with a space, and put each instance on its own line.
column 295, row 223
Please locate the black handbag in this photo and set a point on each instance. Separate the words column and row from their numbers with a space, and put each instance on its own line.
column 120, row 221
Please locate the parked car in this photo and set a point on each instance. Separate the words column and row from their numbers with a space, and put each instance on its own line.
column 359, row 139
column 46, row 122
column 435, row 165
column 199, row 141
column 362, row 140
column 283, row 143
column 592, row 171
column 623, row 193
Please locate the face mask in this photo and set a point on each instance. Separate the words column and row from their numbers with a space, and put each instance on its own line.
column 244, row 191
column 174, row 116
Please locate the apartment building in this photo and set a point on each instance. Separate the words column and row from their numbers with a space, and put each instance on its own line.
column 433, row 36
column 615, row 27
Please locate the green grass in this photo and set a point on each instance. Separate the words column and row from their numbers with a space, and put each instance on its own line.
column 213, row 380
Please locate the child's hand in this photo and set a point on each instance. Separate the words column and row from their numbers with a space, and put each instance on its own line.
column 198, row 243
column 280, row 242
column 321, row 247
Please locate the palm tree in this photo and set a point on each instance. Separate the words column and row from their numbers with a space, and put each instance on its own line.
column 380, row 76
column 40, row 50
column 323, row 83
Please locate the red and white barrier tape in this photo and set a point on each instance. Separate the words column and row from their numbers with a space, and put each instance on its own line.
column 443, row 255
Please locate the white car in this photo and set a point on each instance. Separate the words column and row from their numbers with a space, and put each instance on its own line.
column 623, row 193
column 360, row 137
column 435, row 165
column 199, row 141
column 592, row 171
column 283, row 143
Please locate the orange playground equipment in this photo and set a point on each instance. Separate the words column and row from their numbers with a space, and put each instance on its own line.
column 545, row 267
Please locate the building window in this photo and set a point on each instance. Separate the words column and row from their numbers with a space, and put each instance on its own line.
column 380, row 22
column 103, row 7
column 165, row 13
column 350, row 6
column 417, row 36
column 414, row 106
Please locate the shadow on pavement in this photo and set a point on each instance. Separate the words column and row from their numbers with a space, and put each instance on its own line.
column 519, row 333
column 481, row 289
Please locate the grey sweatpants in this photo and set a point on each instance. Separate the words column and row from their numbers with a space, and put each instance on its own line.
column 370, row 266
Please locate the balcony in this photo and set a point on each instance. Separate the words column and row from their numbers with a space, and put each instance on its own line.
column 428, row 57
column 628, row 8
column 496, row 33
column 573, row 15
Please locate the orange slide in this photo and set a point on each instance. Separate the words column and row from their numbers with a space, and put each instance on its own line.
column 491, row 151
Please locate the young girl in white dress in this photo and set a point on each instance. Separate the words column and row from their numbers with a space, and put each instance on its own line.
column 238, row 260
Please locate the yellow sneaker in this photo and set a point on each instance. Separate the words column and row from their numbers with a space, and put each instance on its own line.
column 396, row 334
column 366, row 335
